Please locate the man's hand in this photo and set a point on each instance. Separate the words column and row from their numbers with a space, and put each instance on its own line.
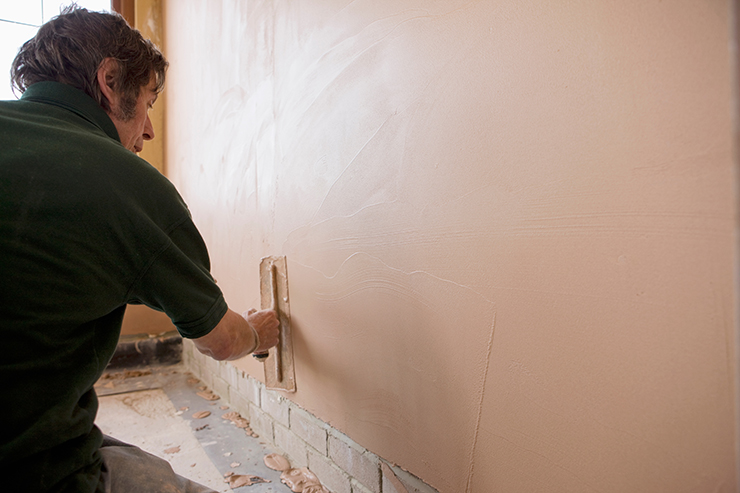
column 266, row 324
column 233, row 337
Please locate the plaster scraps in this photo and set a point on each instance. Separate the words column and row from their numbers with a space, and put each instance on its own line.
column 315, row 488
column 207, row 395
column 172, row 450
column 126, row 374
column 240, row 422
column 201, row 414
column 236, row 419
column 277, row 462
column 299, row 479
column 136, row 373
column 239, row 480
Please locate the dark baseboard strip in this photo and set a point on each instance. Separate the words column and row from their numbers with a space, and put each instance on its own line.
column 144, row 350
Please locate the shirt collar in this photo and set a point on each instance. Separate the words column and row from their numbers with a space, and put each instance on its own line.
column 72, row 99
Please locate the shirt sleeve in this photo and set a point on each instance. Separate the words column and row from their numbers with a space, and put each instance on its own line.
column 178, row 282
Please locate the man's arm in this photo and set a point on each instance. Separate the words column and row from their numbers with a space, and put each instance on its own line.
column 234, row 336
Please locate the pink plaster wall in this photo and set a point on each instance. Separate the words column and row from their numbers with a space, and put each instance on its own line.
column 508, row 225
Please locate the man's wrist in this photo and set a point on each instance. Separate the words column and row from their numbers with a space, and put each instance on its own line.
column 256, row 338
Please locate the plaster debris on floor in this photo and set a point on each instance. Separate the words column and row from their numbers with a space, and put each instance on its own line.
column 171, row 414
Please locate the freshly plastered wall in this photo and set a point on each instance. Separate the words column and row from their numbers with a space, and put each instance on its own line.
column 508, row 225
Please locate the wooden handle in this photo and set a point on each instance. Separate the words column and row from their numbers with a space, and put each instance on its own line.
column 274, row 284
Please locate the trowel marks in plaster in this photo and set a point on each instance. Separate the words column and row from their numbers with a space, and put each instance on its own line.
column 522, row 148
column 366, row 299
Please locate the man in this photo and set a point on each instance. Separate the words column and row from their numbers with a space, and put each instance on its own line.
column 86, row 227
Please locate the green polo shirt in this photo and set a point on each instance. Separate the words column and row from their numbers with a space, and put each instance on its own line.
column 86, row 227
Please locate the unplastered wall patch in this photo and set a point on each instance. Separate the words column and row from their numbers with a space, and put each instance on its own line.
column 308, row 443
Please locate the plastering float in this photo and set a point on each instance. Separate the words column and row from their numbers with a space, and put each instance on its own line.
column 279, row 370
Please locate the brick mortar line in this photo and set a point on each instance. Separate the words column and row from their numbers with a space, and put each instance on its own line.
column 208, row 370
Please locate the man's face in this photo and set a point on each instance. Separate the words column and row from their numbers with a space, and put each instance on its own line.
column 131, row 117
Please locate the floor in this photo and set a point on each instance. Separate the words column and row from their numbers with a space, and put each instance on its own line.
column 159, row 409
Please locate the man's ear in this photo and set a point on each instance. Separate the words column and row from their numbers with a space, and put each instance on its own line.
column 107, row 72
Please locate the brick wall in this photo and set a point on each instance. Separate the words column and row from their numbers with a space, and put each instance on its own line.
column 341, row 464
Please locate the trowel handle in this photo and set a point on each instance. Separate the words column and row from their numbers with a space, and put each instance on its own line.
column 274, row 282
column 261, row 357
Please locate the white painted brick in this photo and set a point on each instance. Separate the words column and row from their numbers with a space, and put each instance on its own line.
column 202, row 359
column 206, row 377
column 330, row 475
column 193, row 357
column 220, row 387
column 261, row 423
column 355, row 461
column 187, row 348
column 210, row 364
column 187, row 359
column 250, row 388
column 358, row 488
column 197, row 358
column 188, row 362
column 309, row 428
column 231, row 374
column 295, row 448
column 276, row 406
column 190, row 365
column 195, row 369
column 194, row 352
column 239, row 403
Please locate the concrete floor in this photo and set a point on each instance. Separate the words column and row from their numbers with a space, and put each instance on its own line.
column 153, row 409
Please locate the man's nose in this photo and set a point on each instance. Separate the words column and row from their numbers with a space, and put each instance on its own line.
column 148, row 129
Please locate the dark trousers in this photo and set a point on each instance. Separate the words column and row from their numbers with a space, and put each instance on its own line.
column 127, row 469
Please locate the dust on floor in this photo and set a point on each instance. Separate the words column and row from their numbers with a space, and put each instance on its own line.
column 170, row 414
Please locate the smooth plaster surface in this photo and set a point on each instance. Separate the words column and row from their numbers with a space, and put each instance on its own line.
column 508, row 225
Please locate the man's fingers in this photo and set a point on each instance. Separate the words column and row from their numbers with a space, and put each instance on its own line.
column 266, row 323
